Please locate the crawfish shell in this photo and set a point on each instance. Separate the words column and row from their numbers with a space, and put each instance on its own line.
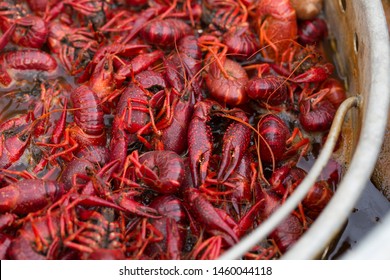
column 165, row 33
column 241, row 42
column 316, row 119
column 227, row 90
column 274, row 134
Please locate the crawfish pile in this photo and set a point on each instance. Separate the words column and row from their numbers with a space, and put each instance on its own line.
column 160, row 129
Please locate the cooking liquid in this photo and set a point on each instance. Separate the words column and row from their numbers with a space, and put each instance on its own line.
column 368, row 213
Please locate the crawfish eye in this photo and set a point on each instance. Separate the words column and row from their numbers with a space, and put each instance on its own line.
column 23, row 138
column 215, row 107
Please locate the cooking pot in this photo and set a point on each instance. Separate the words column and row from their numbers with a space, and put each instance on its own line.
column 359, row 36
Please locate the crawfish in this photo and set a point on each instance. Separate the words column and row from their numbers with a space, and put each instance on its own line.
column 221, row 16
column 97, row 191
column 200, row 140
column 14, row 139
column 30, row 31
column 99, row 235
column 32, row 60
column 182, row 68
column 235, row 143
column 165, row 32
column 312, row 31
column 74, row 46
column 285, row 234
column 276, row 142
column 225, row 78
column 88, row 127
column 138, row 105
column 211, row 219
column 37, row 239
column 241, row 42
column 30, row 195
column 163, row 171
column 172, row 225
column 174, row 137
column 267, row 88
column 316, row 117
column 286, row 179
column 278, row 26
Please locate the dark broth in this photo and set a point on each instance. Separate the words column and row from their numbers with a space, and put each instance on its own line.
column 368, row 213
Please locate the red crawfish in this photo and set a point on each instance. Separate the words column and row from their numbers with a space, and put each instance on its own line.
column 51, row 137
column 316, row 117
column 276, row 141
column 24, row 60
column 74, row 46
column 240, row 41
column 285, row 234
column 138, row 22
column 133, row 108
column 41, row 234
column 270, row 89
column 278, row 26
column 318, row 73
column 145, row 106
column 137, row 64
column 30, row 195
column 29, row 31
column 165, row 32
column 226, row 82
column 209, row 218
column 234, row 144
column 162, row 171
column 88, row 127
column 312, row 31
column 200, row 140
column 37, row 239
column 286, row 179
column 235, row 194
column 174, row 137
column 88, row 115
column 99, row 236
column 316, row 200
column 334, row 91
column 119, row 141
column 225, row 78
column 222, row 16
column 242, row 179
column 98, row 192
column 173, row 227
column 200, row 145
column 182, row 68
column 14, row 139
column 77, row 172
column 181, row 73
column 111, row 70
